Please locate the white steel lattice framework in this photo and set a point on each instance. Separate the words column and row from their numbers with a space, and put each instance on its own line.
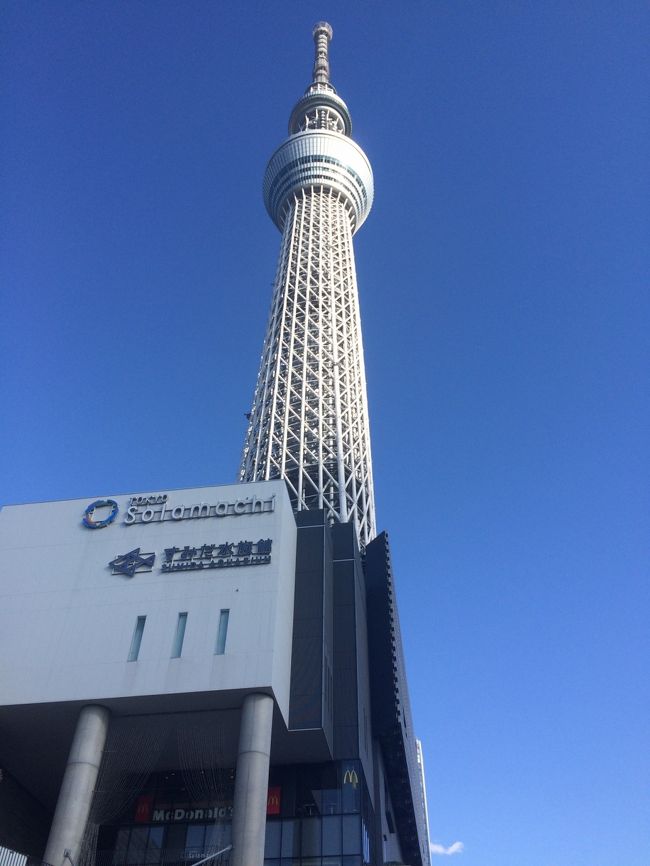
column 309, row 420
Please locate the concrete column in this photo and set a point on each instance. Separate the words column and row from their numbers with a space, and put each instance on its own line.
column 76, row 794
column 252, row 781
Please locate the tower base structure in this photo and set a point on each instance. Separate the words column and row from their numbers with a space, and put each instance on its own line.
column 195, row 678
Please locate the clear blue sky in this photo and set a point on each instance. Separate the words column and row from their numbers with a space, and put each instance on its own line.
column 503, row 276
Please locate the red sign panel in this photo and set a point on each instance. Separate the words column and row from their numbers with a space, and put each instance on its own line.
column 273, row 801
column 143, row 809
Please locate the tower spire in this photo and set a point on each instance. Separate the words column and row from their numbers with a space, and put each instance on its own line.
column 322, row 37
column 321, row 107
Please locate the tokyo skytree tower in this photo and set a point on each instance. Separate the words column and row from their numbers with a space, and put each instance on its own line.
column 309, row 420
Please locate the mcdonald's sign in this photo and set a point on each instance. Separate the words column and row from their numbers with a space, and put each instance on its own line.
column 350, row 777
column 143, row 808
column 273, row 799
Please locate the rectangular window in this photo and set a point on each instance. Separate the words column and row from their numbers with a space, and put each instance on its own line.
column 137, row 846
column 311, row 837
column 332, row 834
column 272, row 841
column 194, row 841
column 218, row 835
column 121, row 844
column 155, row 846
column 351, row 835
column 136, row 640
column 291, row 840
column 177, row 646
column 222, row 633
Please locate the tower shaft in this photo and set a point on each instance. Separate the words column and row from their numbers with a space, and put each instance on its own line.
column 309, row 423
column 309, row 420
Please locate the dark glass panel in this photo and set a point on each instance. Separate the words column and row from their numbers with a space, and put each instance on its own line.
column 121, row 845
column 291, row 838
column 218, row 836
column 332, row 835
column 137, row 845
column 311, row 828
column 308, row 792
column 351, row 834
column 194, row 840
column 176, row 837
column 155, row 846
column 273, row 839
column 331, row 792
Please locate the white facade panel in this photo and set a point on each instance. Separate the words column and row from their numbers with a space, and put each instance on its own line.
column 67, row 618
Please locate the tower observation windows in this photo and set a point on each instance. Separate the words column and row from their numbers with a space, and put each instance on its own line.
column 314, row 169
column 323, row 118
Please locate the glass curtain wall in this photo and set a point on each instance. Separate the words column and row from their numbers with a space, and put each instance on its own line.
column 317, row 815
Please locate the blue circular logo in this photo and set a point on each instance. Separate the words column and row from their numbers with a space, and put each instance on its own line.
column 89, row 513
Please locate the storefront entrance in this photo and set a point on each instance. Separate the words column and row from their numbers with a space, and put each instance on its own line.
column 317, row 815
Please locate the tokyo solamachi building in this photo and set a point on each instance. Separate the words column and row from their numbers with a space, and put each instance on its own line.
column 216, row 674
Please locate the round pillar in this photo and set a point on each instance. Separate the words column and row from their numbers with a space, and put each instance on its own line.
column 78, row 786
column 252, row 781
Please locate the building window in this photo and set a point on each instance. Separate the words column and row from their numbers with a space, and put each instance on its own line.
column 177, row 646
column 351, row 834
column 222, row 633
column 331, row 834
column 311, row 837
column 136, row 640
column 291, row 839
column 272, row 840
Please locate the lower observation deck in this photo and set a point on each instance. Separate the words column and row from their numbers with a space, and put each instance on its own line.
column 318, row 159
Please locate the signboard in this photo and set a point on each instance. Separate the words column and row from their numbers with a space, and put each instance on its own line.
column 146, row 813
column 158, row 508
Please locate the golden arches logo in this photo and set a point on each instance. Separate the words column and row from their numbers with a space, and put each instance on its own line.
column 350, row 778
column 273, row 800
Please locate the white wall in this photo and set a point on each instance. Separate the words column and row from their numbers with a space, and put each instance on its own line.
column 66, row 621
